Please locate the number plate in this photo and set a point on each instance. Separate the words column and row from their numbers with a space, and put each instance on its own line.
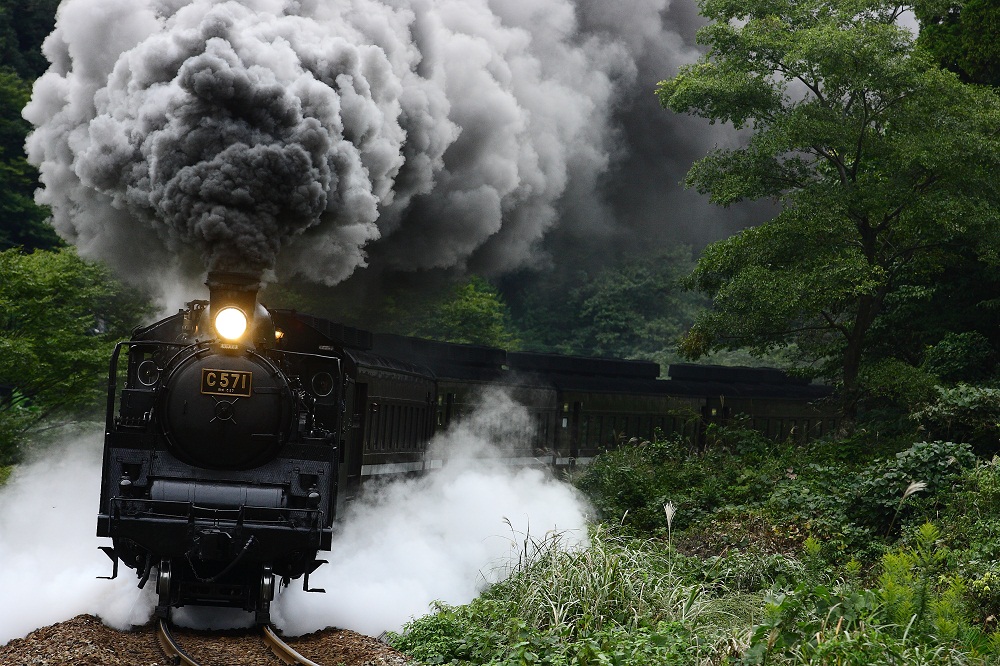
column 226, row 382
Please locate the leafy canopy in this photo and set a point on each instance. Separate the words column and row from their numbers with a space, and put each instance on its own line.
column 22, row 222
column 962, row 35
column 472, row 313
column 24, row 24
column 60, row 318
column 883, row 163
column 637, row 309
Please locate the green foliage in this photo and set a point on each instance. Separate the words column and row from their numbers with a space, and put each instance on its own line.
column 24, row 25
column 611, row 582
column 962, row 36
column 984, row 594
column 454, row 635
column 959, row 357
column 898, row 383
column 59, row 320
column 610, row 602
column 636, row 310
column 24, row 223
column 473, row 313
column 971, row 522
column 749, row 570
column 964, row 413
column 882, row 163
column 915, row 614
column 914, row 590
column 885, row 493
column 631, row 484
column 835, row 589
column 808, row 624
column 665, row 644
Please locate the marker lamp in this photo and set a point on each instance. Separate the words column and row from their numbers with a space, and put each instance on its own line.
column 231, row 323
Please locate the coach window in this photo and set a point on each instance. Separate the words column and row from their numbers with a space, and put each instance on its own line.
column 411, row 429
column 407, row 427
column 397, row 434
column 385, row 422
column 371, row 432
column 404, row 427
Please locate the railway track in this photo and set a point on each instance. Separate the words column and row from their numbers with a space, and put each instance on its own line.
column 177, row 655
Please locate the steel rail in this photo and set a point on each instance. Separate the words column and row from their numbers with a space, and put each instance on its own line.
column 171, row 649
column 283, row 651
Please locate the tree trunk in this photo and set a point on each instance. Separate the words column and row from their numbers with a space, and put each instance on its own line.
column 868, row 308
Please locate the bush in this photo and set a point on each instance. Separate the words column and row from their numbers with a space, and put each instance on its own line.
column 899, row 383
column 915, row 615
column 455, row 634
column 630, row 485
column 959, row 357
column 924, row 472
column 964, row 413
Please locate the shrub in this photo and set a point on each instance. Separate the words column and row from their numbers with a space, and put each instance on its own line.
column 799, row 623
column 615, row 601
column 964, row 413
column 454, row 634
column 898, row 383
column 885, row 490
column 959, row 357
column 630, row 485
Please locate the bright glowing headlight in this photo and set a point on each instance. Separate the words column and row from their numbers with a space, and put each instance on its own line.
column 231, row 323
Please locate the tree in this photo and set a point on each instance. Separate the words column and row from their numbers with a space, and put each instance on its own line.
column 60, row 318
column 638, row 309
column 884, row 165
column 962, row 35
column 22, row 222
column 473, row 313
column 24, row 25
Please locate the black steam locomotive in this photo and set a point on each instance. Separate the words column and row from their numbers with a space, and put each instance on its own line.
column 235, row 434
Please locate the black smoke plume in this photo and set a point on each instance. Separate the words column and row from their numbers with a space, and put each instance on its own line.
column 311, row 138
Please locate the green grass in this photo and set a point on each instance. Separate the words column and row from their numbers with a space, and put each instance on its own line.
column 777, row 555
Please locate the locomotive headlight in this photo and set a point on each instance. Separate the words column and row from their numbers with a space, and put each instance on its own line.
column 231, row 323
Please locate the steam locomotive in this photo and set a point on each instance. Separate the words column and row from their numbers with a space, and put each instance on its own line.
column 236, row 434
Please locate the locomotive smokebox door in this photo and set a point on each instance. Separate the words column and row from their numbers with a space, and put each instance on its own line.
column 226, row 410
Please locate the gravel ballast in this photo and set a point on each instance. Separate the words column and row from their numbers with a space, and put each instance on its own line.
column 84, row 640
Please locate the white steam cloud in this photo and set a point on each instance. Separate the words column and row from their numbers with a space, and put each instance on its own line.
column 49, row 561
column 441, row 537
column 207, row 133
column 404, row 545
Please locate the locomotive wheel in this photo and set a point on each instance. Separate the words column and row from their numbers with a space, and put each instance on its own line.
column 267, row 586
column 163, row 580
column 266, row 594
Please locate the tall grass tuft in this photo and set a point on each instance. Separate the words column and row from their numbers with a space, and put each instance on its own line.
column 610, row 582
